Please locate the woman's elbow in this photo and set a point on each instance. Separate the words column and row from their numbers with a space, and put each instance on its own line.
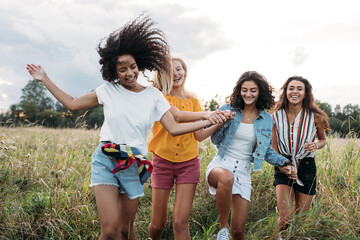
column 175, row 113
column 177, row 118
column 72, row 108
column 200, row 138
column 174, row 132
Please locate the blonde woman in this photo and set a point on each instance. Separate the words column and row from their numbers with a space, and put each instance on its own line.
column 176, row 159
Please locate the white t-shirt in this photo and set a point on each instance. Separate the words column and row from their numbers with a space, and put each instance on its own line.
column 243, row 143
column 129, row 116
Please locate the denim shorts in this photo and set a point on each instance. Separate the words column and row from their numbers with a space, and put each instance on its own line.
column 241, row 171
column 165, row 173
column 127, row 180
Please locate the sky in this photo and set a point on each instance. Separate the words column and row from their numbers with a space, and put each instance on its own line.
column 219, row 40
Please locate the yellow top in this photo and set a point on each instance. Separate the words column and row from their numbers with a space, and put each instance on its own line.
column 180, row 148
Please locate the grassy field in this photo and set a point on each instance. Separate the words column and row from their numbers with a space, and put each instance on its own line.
column 45, row 194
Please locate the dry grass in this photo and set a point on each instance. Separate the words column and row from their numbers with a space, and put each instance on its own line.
column 44, row 193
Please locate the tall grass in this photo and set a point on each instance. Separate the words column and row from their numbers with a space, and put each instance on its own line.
column 45, row 194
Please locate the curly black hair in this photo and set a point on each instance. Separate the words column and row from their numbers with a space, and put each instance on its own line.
column 148, row 46
column 265, row 99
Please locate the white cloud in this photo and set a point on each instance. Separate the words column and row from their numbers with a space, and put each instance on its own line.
column 220, row 40
column 3, row 95
column 3, row 82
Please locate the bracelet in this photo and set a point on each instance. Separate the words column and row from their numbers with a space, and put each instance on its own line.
column 287, row 163
column 316, row 147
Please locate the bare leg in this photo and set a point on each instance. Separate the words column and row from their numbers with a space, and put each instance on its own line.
column 183, row 202
column 160, row 199
column 222, row 180
column 285, row 201
column 239, row 211
column 302, row 202
column 107, row 202
column 128, row 209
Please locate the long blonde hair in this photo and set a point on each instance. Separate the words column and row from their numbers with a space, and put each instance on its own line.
column 163, row 80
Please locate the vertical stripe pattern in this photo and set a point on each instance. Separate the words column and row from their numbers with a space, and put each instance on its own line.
column 291, row 138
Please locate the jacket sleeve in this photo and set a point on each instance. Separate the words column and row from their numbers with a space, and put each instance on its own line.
column 273, row 157
column 218, row 136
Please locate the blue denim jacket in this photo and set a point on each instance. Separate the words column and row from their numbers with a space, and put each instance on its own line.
column 263, row 130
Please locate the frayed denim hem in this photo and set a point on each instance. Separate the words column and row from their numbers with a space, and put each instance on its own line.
column 134, row 197
column 98, row 184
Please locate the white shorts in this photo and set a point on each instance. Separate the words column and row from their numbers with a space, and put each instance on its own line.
column 241, row 170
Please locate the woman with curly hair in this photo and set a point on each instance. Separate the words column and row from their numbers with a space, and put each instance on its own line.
column 243, row 140
column 298, row 121
column 130, row 110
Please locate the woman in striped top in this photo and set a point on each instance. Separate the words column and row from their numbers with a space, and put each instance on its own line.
column 298, row 122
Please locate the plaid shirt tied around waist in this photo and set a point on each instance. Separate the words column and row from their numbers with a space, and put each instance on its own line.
column 125, row 156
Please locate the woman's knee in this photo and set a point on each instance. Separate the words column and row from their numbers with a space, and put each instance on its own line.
column 109, row 232
column 124, row 231
column 180, row 225
column 226, row 180
column 157, row 227
column 238, row 232
column 283, row 221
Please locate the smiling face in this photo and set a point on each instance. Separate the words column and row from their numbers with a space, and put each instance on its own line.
column 127, row 71
column 295, row 92
column 178, row 74
column 249, row 92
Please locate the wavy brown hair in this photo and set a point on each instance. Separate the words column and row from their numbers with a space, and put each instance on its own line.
column 308, row 102
column 265, row 99
column 148, row 46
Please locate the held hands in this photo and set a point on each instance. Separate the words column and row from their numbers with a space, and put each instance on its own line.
column 37, row 72
column 228, row 114
column 220, row 117
column 289, row 171
column 310, row 146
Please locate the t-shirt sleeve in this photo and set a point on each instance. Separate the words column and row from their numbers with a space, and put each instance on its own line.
column 162, row 106
column 197, row 106
column 100, row 92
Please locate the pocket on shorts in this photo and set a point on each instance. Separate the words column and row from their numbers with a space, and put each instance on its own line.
column 307, row 169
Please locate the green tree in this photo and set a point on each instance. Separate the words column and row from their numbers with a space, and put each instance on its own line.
column 15, row 111
column 35, row 92
column 51, row 118
column 352, row 110
column 30, row 110
column 336, row 124
column 95, row 116
column 61, row 108
column 325, row 107
column 213, row 104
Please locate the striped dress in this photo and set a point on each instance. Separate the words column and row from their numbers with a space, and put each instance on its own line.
column 291, row 138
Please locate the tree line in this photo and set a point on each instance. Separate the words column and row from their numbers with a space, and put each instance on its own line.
column 36, row 108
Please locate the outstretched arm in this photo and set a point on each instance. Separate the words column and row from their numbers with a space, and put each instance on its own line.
column 73, row 104
column 186, row 116
column 202, row 134
column 174, row 128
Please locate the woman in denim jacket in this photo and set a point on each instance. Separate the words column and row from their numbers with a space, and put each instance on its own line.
column 241, row 141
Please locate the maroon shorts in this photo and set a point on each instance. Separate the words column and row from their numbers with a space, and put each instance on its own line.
column 165, row 173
